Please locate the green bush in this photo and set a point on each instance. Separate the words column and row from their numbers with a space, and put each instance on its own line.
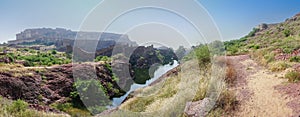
column 74, row 112
column 287, row 32
column 41, row 59
column 17, row 106
column 103, row 58
column 63, row 107
column 252, row 33
column 203, row 54
column 254, row 46
column 295, row 59
column 232, row 50
column 287, row 50
column 97, row 96
column 293, row 76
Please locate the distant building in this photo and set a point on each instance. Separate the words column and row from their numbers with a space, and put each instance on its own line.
column 62, row 38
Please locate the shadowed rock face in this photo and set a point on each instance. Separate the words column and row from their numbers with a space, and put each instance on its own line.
column 144, row 58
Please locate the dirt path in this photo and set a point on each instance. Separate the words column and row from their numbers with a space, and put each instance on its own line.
column 256, row 93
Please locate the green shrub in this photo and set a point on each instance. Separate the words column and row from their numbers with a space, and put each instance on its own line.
column 103, row 58
column 99, row 97
column 17, row 106
column 44, row 59
column 293, row 76
column 74, row 112
column 295, row 59
column 203, row 54
column 252, row 33
column 232, row 50
column 287, row 32
column 288, row 50
column 256, row 47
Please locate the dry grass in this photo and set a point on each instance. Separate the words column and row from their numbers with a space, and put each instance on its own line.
column 227, row 101
column 278, row 66
column 225, row 105
column 293, row 76
column 16, row 70
column 231, row 74
column 168, row 98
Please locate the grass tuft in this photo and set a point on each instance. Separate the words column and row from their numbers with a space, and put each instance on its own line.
column 293, row 76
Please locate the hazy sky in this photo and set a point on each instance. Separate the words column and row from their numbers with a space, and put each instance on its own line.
column 234, row 18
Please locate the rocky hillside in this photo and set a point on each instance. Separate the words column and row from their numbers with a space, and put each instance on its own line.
column 275, row 50
column 45, row 88
column 270, row 41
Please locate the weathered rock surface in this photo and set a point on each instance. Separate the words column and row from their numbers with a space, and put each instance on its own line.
column 199, row 109
column 52, row 85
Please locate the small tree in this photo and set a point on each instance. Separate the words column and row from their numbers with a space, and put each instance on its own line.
column 203, row 55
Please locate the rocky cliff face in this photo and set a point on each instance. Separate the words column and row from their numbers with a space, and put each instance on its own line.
column 144, row 61
column 280, row 39
column 48, row 86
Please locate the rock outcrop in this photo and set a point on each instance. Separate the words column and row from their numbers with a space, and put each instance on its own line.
column 52, row 85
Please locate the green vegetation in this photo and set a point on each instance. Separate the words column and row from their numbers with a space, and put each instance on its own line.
column 270, row 47
column 92, row 93
column 176, row 89
column 145, row 102
column 96, row 99
column 278, row 66
column 103, row 58
column 287, row 32
column 42, row 59
column 293, row 76
column 201, row 53
column 17, row 106
column 252, row 33
column 295, row 59
column 20, row 108
column 32, row 57
column 72, row 110
column 142, row 75
column 234, row 47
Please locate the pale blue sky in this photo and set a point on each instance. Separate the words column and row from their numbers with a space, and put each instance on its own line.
column 234, row 18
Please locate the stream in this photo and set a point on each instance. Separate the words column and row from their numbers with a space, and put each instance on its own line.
column 158, row 73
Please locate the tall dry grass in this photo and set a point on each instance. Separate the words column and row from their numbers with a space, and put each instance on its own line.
column 193, row 83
